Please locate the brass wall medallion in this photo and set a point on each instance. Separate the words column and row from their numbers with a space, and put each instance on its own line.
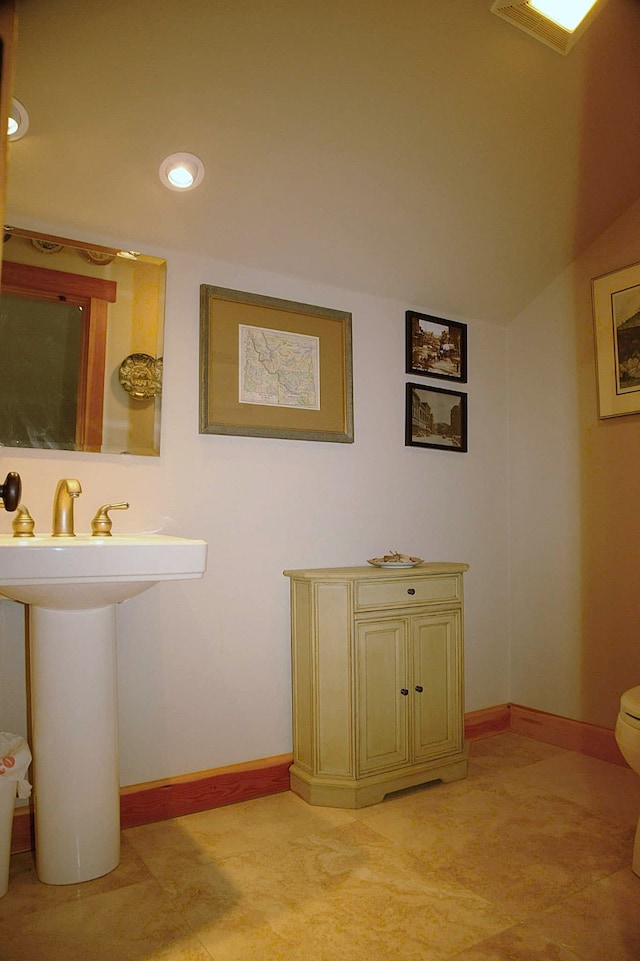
column 141, row 375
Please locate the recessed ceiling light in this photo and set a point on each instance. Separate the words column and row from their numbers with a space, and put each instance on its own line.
column 18, row 122
column 181, row 171
column 558, row 23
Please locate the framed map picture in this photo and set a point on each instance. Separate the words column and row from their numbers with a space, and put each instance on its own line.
column 274, row 368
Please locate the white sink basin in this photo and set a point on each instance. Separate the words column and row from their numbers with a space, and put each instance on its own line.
column 72, row 585
column 84, row 572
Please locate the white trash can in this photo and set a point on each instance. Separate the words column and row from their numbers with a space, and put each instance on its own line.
column 15, row 758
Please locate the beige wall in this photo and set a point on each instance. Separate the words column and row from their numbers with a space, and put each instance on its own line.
column 549, row 528
column 204, row 666
column 575, row 517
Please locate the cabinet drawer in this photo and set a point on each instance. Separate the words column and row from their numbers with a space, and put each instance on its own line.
column 407, row 591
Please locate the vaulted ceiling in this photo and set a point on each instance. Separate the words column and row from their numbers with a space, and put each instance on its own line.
column 423, row 150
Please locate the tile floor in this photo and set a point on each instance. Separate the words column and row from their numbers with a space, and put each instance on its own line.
column 528, row 859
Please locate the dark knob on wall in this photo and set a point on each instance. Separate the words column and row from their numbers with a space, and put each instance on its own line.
column 419, row 688
column 411, row 590
column 404, row 691
column 11, row 491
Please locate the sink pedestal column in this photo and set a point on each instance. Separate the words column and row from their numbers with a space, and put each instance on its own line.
column 75, row 743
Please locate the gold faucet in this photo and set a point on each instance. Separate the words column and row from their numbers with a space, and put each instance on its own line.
column 68, row 488
column 101, row 524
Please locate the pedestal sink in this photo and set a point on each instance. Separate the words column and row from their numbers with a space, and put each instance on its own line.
column 72, row 585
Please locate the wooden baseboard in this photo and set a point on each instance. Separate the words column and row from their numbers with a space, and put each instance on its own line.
column 577, row 736
column 564, row 732
column 175, row 797
column 187, row 794
column 22, row 835
column 487, row 722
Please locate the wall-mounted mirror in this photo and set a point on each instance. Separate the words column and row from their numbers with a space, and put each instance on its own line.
column 81, row 334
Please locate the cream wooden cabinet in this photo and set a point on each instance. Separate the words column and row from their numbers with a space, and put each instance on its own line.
column 377, row 665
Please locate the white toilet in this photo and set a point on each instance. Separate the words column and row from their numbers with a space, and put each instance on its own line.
column 628, row 738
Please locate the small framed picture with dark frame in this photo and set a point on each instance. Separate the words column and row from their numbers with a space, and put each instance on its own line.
column 436, row 347
column 435, row 418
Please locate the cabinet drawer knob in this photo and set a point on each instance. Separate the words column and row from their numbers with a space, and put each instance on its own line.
column 419, row 688
column 404, row 691
column 411, row 590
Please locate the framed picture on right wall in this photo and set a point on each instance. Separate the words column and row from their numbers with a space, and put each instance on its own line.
column 616, row 317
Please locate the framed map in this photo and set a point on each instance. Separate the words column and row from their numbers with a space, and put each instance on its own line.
column 278, row 368
column 274, row 368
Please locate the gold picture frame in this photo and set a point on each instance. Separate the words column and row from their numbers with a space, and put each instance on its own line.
column 616, row 318
column 274, row 368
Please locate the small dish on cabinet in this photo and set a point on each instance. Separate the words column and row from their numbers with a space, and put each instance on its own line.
column 395, row 559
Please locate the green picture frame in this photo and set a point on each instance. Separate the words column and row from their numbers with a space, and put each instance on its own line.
column 274, row 368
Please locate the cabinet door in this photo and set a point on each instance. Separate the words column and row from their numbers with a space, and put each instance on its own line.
column 436, row 690
column 381, row 705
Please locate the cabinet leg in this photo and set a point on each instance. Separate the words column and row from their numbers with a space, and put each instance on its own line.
column 455, row 772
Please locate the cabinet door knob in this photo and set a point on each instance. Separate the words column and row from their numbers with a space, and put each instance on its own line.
column 411, row 590
column 404, row 691
column 419, row 688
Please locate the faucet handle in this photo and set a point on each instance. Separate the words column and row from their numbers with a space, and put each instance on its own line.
column 23, row 523
column 102, row 523
column 10, row 491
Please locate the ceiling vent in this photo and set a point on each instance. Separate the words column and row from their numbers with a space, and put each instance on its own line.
column 524, row 15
